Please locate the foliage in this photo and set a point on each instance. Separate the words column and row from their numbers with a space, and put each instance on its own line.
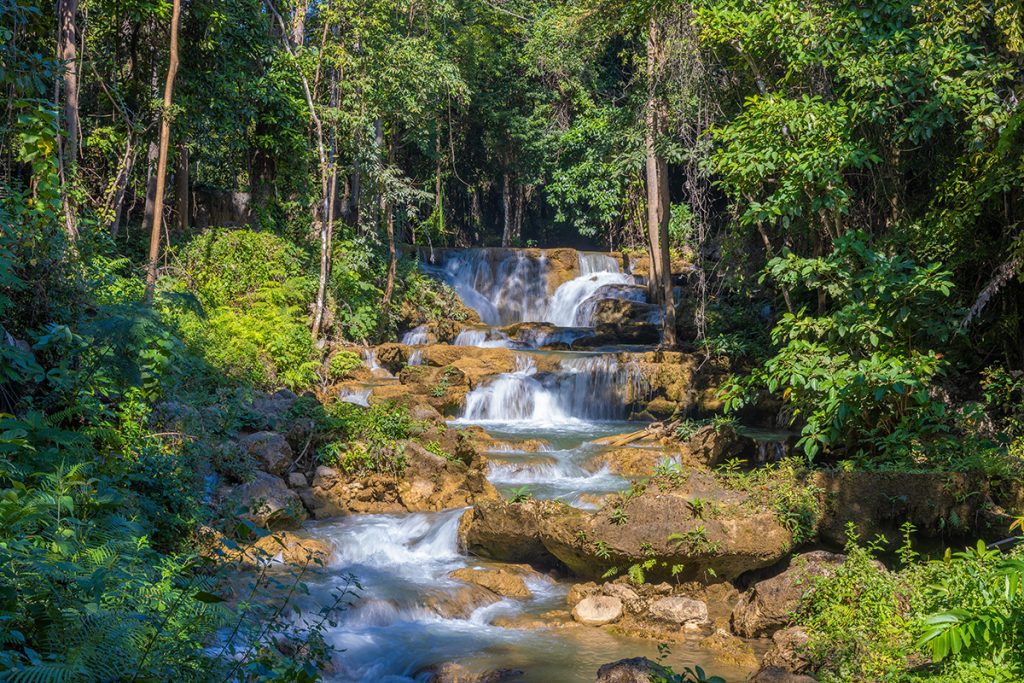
column 372, row 438
column 341, row 365
column 858, row 374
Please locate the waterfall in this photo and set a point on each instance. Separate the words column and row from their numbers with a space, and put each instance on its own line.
column 503, row 286
column 590, row 388
column 482, row 338
column 574, row 301
column 417, row 336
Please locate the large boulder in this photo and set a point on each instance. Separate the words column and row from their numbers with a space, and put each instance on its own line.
column 636, row 670
column 714, row 444
column 287, row 548
column 658, row 524
column 598, row 610
column 453, row 672
column 768, row 606
column 274, row 408
column 271, row 450
column 267, row 502
column 427, row 483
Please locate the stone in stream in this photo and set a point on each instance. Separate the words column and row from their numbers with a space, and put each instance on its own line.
column 597, row 610
column 453, row 672
column 500, row 581
column 658, row 524
column 635, row 670
column 679, row 610
column 267, row 502
column 730, row 649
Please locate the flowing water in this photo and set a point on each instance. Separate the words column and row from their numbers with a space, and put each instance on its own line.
column 411, row 614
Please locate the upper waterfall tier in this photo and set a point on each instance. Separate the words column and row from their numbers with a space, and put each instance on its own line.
column 509, row 286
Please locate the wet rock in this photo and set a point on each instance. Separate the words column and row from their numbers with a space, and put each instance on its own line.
column 679, row 610
column 508, row 532
column 502, row 582
column 597, row 610
column 267, row 502
column 788, row 651
column 459, row 603
column 271, row 451
column 769, row 604
column 730, row 650
column 636, row 670
column 452, row 672
column 634, row 461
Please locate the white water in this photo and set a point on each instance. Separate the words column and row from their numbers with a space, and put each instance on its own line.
column 507, row 286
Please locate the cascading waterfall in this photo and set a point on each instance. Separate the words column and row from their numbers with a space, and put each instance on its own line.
column 417, row 336
column 585, row 389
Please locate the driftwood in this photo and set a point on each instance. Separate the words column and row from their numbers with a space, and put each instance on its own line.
column 655, row 430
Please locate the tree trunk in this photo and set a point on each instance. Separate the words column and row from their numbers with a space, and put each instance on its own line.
column 116, row 203
column 506, row 209
column 389, row 225
column 657, row 194
column 299, row 22
column 67, row 10
column 161, row 167
column 181, row 189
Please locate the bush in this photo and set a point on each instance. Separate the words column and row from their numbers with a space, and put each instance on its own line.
column 342, row 364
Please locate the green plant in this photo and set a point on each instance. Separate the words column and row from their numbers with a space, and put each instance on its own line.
column 341, row 365
column 520, row 494
column 618, row 516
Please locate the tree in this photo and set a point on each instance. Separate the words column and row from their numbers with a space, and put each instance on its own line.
column 165, row 141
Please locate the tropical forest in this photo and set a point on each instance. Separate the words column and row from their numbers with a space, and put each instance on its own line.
column 512, row 341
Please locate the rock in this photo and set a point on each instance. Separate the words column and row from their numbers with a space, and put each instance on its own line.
column 452, row 672
column 297, row 480
column 268, row 502
column 679, row 610
column 788, row 651
column 274, row 408
column 502, row 582
column 428, row 483
column 730, row 650
column 633, row 461
column 579, row 591
column 597, row 610
column 712, row 445
column 629, row 597
column 270, row 449
column 768, row 605
column 776, row 675
column 459, row 603
column 176, row 416
column 288, row 548
column 636, row 670
column 507, row 532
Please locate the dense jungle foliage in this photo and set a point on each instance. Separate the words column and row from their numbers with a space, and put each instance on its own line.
column 846, row 180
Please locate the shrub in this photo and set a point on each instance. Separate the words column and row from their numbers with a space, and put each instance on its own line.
column 342, row 364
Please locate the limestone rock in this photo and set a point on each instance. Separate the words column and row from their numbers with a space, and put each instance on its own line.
column 271, row 450
column 636, row 670
column 459, row 603
column 597, row 610
column 297, row 480
column 288, row 548
column 500, row 581
column 453, row 672
column 274, row 408
column 729, row 649
column 268, row 502
column 788, row 651
column 630, row 598
column 679, row 610
column 507, row 532
column 579, row 591
column 768, row 605
column 712, row 445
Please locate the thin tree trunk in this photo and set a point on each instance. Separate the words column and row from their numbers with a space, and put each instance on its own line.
column 116, row 202
column 506, row 210
column 299, row 23
column 68, row 9
column 517, row 216
column 181, row 189
column 152, row 154
column 325, row 174
column 389, row 224
column 161, row 167
column 657, row 194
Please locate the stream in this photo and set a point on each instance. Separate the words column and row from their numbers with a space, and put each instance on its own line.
column 410, row 614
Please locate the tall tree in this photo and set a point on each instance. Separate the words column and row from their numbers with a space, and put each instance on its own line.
column 67, row 11
column 165, row 140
